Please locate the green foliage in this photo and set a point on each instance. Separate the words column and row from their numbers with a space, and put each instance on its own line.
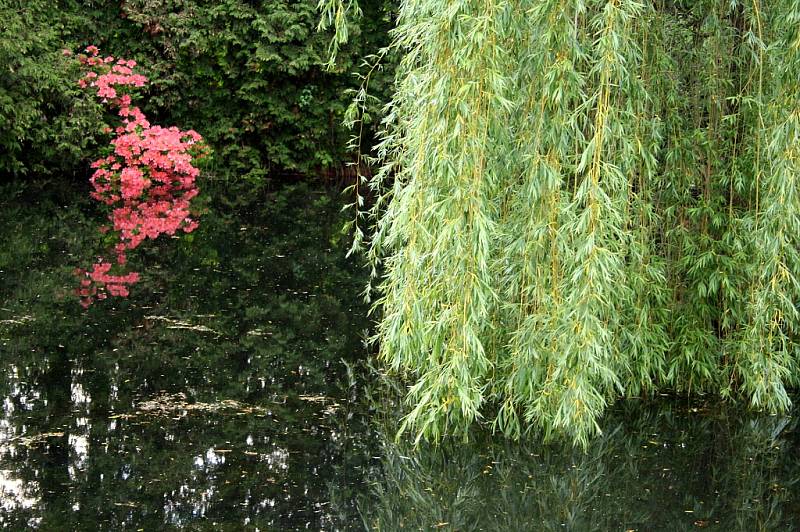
column 584, row 200
column 45, row 125
column 249, row 75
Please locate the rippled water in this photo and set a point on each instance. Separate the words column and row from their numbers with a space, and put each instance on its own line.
column 229, row 393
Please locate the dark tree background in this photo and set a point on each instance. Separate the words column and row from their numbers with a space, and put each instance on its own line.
column 247, row 75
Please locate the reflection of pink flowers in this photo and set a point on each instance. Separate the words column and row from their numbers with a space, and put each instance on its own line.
column 97, row 283
column 148, row 181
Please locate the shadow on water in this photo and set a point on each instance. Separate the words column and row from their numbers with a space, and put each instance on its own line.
column 222, row 396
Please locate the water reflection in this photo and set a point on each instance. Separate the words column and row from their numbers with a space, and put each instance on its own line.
column 208, row 400
column 223, row 396
column 663, row 467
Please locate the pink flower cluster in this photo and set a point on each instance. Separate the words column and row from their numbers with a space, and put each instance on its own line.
column 148, row 180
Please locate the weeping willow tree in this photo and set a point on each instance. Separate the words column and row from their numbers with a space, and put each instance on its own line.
column 580, row 200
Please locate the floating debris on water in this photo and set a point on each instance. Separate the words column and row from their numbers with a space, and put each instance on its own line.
column 177, row 324
column 169, row 404
column 33, row 439
column 22, row 320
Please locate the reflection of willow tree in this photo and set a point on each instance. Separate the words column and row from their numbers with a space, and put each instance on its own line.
column 770, row 480
column 651, row 469
column 586, row 199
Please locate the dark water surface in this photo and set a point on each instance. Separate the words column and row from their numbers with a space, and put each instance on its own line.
column 228, row 393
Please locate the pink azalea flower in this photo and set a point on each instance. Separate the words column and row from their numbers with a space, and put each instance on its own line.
column 148, row 181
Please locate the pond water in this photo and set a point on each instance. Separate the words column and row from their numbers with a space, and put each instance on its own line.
column 229, row 392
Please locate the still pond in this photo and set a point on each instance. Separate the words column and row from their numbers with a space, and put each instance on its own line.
column 232, row 391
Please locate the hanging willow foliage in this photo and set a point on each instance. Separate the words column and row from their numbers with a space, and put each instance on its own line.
column 579, row 200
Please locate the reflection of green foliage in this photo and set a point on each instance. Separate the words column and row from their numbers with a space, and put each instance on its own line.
column 666, row 467
column 258, row 309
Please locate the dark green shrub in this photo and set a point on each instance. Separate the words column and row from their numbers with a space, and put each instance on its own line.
column 248, row 75
column 45, row 124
